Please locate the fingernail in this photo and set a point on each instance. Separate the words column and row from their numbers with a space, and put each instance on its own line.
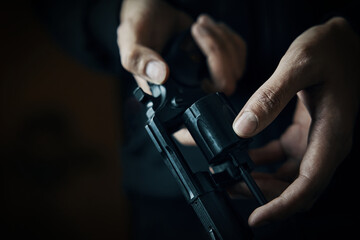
column 246, row 124
column 156, row 71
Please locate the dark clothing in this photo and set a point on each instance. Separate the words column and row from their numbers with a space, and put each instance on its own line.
column 87, row 29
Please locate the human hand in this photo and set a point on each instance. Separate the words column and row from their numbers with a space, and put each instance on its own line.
column 147, row 25
column 225, row 53
column 321, row 67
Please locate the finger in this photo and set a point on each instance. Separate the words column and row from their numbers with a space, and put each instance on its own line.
column 284, row 205
column 184, row 137
column 139, row 60
column 215, row 46
column 237, row 50
column 270, row 153
column 224, row 34
column 269, row 100
column 143, row 84
column 320, row 161
column 145, row 63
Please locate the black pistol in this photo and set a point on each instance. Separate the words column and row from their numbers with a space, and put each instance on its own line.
column 181, row 101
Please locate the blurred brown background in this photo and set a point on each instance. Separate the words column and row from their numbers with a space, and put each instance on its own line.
column 60, row 134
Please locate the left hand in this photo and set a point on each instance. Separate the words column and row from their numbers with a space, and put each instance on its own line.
column 321, row 67
column 145, row 28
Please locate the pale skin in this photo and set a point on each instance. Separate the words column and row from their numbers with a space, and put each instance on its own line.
column 146, row 26
column 321, row 68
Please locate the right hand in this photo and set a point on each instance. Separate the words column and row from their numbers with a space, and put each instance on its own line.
column 147, row 25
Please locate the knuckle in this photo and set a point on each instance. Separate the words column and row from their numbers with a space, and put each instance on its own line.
column 269, row 100
column 216, row 41
column 299, row 57
column 203, row 18
column 311, row 195
column 215, row 47
column 338, row 20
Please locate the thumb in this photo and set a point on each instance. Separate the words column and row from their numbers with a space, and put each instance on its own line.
column 144, row 62
column 267, row 102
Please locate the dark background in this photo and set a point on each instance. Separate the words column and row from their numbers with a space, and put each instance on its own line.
column 60, row 133
column 59, row 138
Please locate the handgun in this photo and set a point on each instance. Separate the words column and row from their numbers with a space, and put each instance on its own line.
column 182, row 102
